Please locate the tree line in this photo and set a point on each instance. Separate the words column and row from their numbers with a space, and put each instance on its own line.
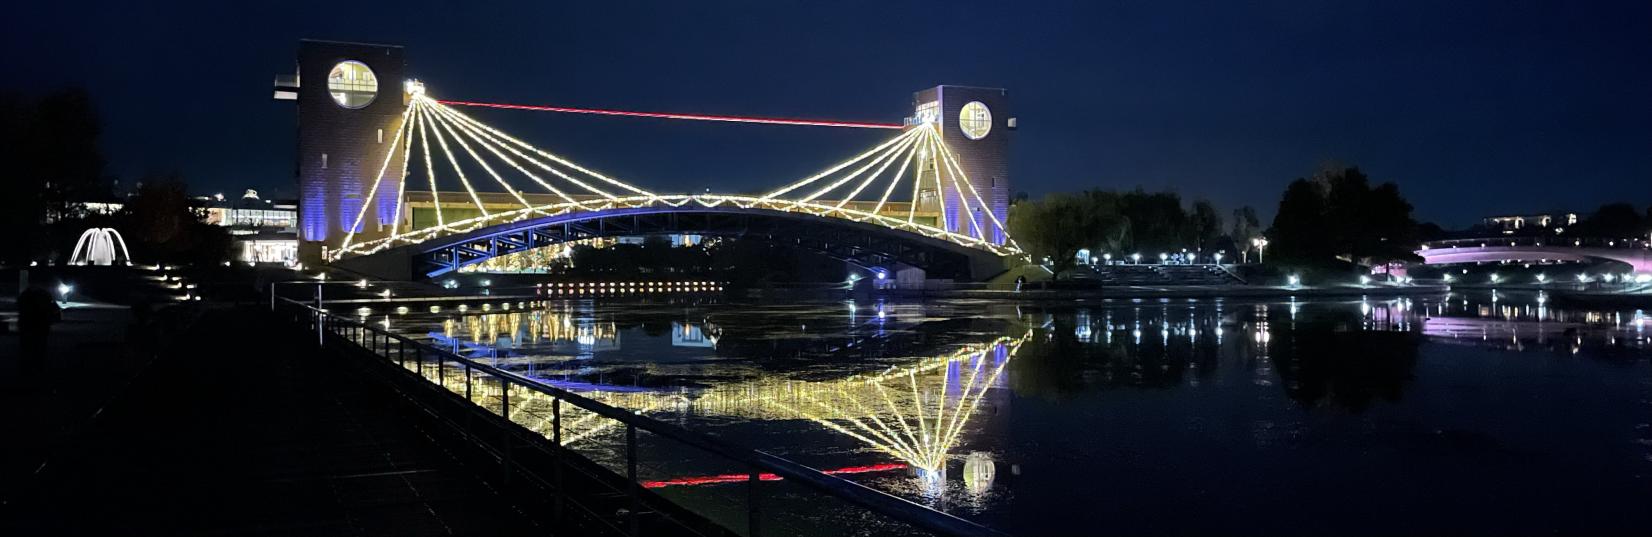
column 1056, row 227
column 1335, row 219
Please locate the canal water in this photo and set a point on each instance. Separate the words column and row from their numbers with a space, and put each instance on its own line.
column 1466, row 413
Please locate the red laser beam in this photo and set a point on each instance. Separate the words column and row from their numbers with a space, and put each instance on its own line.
column 735, row 478
column 697, row 117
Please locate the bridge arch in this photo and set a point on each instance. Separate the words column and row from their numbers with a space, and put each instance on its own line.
column 863, row 244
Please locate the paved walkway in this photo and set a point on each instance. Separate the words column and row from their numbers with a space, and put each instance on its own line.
column 90, row 361
column 235, row 431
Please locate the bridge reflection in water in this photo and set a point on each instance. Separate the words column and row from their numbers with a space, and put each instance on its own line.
column 914, row 412
column 1070, row 381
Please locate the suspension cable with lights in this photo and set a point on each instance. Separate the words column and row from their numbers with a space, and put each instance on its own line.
column 939, row 186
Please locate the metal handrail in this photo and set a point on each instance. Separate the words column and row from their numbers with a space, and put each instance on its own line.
column 895, row 507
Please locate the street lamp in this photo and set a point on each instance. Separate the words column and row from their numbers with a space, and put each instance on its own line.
column 1260, row 243
column 63, row 291
column 1135, row 258
column 1218, row 256
column 1107, row 259
column 1163, row 257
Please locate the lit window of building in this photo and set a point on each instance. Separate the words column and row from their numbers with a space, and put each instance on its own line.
column 352, row 84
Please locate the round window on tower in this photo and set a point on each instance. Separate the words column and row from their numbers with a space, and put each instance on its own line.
column 975, row 120
column 352, row 84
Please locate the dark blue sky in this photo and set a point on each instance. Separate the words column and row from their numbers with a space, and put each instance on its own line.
column 1472, row 108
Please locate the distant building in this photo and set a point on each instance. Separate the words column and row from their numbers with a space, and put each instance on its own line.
column 264, row 231
column 1517, row 223
column 249, row 212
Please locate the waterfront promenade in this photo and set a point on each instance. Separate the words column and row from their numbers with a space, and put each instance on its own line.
column 232, row 428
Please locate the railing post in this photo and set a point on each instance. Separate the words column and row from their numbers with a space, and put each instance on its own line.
column 631, row 485
column 753, row 513
column 505, row 410
column 556, row 453
column 467, row 384
column 504, row 398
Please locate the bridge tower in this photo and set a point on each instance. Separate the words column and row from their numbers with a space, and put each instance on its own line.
column 975, row 123
column 350, row 100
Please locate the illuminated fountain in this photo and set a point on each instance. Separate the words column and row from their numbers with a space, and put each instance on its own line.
column 97, row 247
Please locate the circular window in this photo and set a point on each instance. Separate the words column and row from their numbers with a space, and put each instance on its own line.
column 975, row 120
column 352, row 84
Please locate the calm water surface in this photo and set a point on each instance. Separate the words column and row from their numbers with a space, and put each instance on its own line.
column 1465, row 413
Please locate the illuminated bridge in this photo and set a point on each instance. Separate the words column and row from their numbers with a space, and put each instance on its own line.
column 378, row 176
column 1634, row 253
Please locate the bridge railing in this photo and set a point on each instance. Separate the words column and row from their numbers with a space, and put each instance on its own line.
column 1563, row 242
column 741, row 490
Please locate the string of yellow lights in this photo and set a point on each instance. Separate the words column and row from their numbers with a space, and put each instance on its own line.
column 917, row 184
column 843, row 182
column 488, row 142
column 963, row 201
column 896, row 181
column 835, row 168
column 903, row 140
column 888, row 160
column 372, row 193
column 430, row 168
column 559, row 160
column 952, row 161
column 940, row 191
column 445, row 125
column 442, row 141
column 401, row 184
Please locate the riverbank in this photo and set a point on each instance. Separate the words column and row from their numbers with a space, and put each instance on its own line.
column 1639, row 296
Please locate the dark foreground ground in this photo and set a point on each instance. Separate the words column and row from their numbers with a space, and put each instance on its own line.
column 224, row 426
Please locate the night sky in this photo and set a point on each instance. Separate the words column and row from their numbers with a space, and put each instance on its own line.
column 1472, row 108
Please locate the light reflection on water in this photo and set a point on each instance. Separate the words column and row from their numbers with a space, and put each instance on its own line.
column 1017, row 415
